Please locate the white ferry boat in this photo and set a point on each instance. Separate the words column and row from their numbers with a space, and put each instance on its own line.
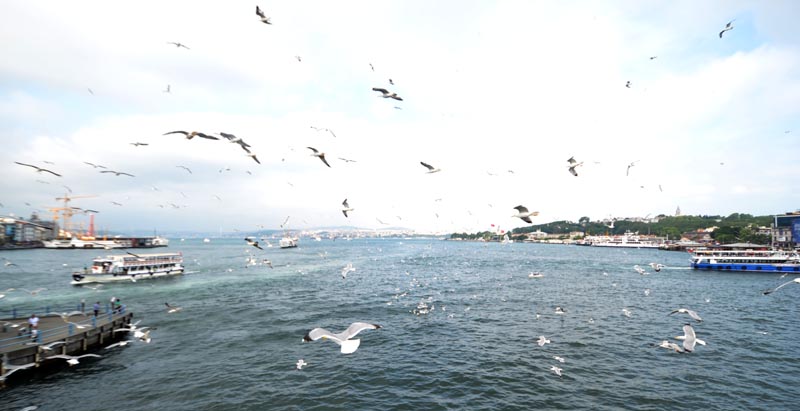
column 115, row 242
column 130, row 267
column 770, row 261
column 288, row 242
column 627, row 240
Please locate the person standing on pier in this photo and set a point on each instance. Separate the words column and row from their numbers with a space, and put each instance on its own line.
column 33, row 324
column 96, row 308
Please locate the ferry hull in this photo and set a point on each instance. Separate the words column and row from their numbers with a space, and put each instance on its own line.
column 748, row 267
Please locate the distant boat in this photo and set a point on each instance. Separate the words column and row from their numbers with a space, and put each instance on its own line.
column 627, row 240
column 126, row 267
column 288, row 242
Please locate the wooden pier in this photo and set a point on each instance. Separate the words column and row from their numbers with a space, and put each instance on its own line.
column 81, row 335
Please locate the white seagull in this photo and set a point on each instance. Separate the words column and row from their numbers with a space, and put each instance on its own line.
column 670, row 346
column 73, row 360
column 796, row 280
column 656, row 266
column 727, row 27
column 320, row 155
column 301, row 363
column 343, row 338
column 431, row 169
column 559, row 359
column 264, row 18
column 542, row 341
column 555, row 370
column 689, row 338
column 535, row 274
column 346, row 207
column 524, row 214
column 10, row 369
column 347, row 269
column 691, row 313
column 572, row 168
column 386, row 94
column 172, row 308
column 118, row 344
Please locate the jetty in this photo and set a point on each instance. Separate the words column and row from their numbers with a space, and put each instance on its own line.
column 55, row 336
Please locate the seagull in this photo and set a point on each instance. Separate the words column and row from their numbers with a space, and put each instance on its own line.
column 90, row 91
column 524, row 214
column 347, row 160
column 555, row 370
column 559, row 359
column 431, row 169
column 343, row 338
column 346, row 207
column 172, row 308
column 252, row 242
column 137, row 144
column 639, row 270
column 168, row 89
column 796, row 280
column 324, row 129
column 572, row 168
column 178, row 45
column 264, row 18
column 653, row 57
column 320, row 155
column 39, row 169
column 347, row 269
column 117, row 344
column 185, row 168
column 116, row 203
column 236, row 140
column 386, row 94
column 117, row 173
column 299, row 59
column 94, row 165
column 542, row 341
column 691, row 313
column 560, row 310
column 670, row 346
column 627, row 172
column 689, row 338
column 535, row 275
column 49, row 347
column 656, row 266
column 13, row 368
column 253, row 156
column 628, row 84
column 301, row 363
column 73, row 360
column 192, row 134
column 727, row 27
column 65, row 316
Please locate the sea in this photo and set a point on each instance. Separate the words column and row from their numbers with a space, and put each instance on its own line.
column 459, row 328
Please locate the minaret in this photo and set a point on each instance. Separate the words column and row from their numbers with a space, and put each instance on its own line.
column 678, row 212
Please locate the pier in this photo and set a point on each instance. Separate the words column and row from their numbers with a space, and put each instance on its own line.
column 84, row 333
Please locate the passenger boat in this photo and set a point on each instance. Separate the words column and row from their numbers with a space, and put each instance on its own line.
column 130, row 267
column 82, row 242
column 288, row 242
column 627, row 240
column 770, row 261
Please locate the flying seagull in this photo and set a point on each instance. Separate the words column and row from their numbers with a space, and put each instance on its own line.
column 431, row 169
column 172, row 308
column 572, row 161
column 691, row 313
column 193, row 134
column 38, row 169
column 346, row 207
column 236, row 140
column 653, row 57
column 94, row 165
column 628, row 171
column 524, row 214
column 324, row 129
column 252, row 242
column 320, row 155
column 117, row 173
column 670, row 346
column 168, row 89
column 628, row 84
column 347, row 269
column 73, row 360
column 656, row 266
column 264, row 18
column 343, row 338
column 727, row 27
column 185, row 168
column 387, row 94
column 555, row 370
column 300, row 364
column 542, row 341
column 178, row 45
column 137, row 144
column 796, row 280
column 689, row 338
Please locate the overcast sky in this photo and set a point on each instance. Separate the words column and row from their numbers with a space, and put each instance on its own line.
column 497, row 94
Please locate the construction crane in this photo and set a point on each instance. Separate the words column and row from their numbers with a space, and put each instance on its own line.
column 66, row 212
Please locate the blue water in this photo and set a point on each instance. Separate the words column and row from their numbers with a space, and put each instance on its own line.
column 235, row 344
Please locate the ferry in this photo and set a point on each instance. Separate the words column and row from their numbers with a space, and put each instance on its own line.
column 130, row 267
column 288, row 242
column 771, row 261
column 627, row 240
column 83, row 242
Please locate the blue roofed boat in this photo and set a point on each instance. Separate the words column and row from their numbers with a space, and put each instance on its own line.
column 746, row 259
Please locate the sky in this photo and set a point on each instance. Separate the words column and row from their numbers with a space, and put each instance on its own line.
column 496, row 94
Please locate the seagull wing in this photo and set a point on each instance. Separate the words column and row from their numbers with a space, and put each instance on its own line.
column 344, row 203
column 356, row 328
column 526, row 219
column 313, row 149
column 428, row 166
column 796, row 280
column 174, row 132
column 689, row 339
column 27, row 165
column 227, row 136
column 396, row 97
column 206, row 136
column 694, row 315
column 322, row 157
column 382, row 90
column 260, row 13
column 521, row 209
column 318, row 333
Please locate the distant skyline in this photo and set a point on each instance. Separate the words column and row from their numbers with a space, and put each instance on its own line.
column 497, row 95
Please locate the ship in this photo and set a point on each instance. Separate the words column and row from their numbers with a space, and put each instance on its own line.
column 627, row 240
column 130, row 267
column 750, row 260
column 67, row 239
column 288, row 242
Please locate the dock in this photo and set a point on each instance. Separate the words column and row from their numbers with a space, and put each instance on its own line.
column 84, row 333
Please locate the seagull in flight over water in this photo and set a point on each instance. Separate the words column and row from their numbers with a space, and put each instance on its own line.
column 691, row 313
column 343, row 338
column 796, row 280
column 346, row 207
column 73, row 360
column 689, row 338
column 524, row 214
